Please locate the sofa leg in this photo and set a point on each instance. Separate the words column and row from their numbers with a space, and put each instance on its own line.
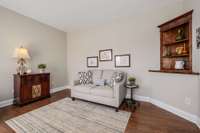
column 116, row 109
column 73, row 98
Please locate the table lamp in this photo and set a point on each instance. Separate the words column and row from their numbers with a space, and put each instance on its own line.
column 22, row 55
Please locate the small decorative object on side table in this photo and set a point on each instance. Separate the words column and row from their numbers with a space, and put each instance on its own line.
column 42, row 68
column 131, row 102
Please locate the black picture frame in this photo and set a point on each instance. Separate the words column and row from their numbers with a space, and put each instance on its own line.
column 92, row 58
column 102, row 55
column 125, row 56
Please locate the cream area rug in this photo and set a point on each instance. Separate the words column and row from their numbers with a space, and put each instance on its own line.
column 67, row 116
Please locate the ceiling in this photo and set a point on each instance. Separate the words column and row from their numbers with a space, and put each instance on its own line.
column 68, row 15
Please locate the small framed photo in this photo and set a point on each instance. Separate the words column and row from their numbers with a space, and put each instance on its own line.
column 105, row 55
column 198, row 37
column 92, row 61
column 123, row 60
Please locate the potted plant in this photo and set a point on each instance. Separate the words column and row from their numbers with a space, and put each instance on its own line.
column 42, row 67
column 131, row 80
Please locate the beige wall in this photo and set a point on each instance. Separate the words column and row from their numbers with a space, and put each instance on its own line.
column 45, row 44
column 138, row 36
column 188, row 5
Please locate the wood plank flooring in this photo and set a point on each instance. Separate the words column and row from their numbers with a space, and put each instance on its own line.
column 146, row 119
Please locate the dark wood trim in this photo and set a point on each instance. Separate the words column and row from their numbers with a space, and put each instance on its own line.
column 104, row 51
column 31, row 74
column 183, row 15
column 129, row 55
column 175, row 72
column 96, row 59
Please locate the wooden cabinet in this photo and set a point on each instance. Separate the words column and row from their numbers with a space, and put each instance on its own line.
column 31, row 87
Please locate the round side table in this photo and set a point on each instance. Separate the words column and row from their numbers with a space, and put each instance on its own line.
column 132, row 103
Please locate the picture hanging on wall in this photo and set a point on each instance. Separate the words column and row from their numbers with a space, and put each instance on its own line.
column 123, row 60
column 198, row 37
column 105, row 55
column 92, row 61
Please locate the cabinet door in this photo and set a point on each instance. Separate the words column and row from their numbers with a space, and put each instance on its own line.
column 36, row 87
column 45, row 85
column 26, row 89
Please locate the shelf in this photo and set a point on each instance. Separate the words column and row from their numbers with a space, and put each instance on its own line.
column 175, row 72
column 177, row 42
column 175, row 56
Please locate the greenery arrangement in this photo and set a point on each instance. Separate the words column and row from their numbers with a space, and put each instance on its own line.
column 131, row 79
column 42, row 66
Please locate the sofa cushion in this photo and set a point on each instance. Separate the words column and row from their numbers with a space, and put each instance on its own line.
column 103, row 91
column 96, row 75
column 83, row 88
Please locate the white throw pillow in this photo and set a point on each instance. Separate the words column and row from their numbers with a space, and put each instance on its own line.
column 100, row 82
column 107, row 75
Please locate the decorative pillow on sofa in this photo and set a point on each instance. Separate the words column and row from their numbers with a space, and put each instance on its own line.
column 100, row 82
column 116, row 77
column 85, row 77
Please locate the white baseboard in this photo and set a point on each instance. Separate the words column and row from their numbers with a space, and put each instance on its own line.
column 198, row 123
column 10, row 101
column 188, row 116
column 6, row 103
column 139, row 98
column 54, row 90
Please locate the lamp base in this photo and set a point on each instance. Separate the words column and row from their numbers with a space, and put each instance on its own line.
column 21, row 69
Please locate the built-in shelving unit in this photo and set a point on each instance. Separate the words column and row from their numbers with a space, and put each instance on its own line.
column 176, row 45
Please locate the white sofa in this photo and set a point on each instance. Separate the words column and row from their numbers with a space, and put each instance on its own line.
column 104, row 94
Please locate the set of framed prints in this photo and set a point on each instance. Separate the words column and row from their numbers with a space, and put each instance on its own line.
column 107, row 55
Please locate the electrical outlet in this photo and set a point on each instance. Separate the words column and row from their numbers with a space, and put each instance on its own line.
column 187, row 101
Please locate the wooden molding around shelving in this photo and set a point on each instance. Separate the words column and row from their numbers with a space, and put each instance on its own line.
column 175, row 56
column 175, row 72
column 183, row 15
column 168, row 44
column 177, row 42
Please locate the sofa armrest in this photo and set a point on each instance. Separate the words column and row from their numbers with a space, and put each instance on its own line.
column 120, row 90
column 76, row 82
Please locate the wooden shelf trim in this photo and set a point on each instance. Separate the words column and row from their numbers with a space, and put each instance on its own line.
column 177, row 42
column 175, row 72
column 175, row 56
column 186, row 14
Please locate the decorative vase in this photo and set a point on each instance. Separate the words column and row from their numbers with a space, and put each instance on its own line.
column 42, row 70
column 131, row 82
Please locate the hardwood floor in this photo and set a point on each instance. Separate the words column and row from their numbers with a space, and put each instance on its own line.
column 146, row 119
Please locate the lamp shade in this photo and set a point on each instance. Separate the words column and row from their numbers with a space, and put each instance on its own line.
column 21, row 53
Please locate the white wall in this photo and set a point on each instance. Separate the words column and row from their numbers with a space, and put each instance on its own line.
column 45, row 44
column 138, row 36
column 188, row 5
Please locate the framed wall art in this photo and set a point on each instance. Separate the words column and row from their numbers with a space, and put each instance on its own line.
column 92, row 61
column 198, row 37
column 123, row 60
column 105, row 55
